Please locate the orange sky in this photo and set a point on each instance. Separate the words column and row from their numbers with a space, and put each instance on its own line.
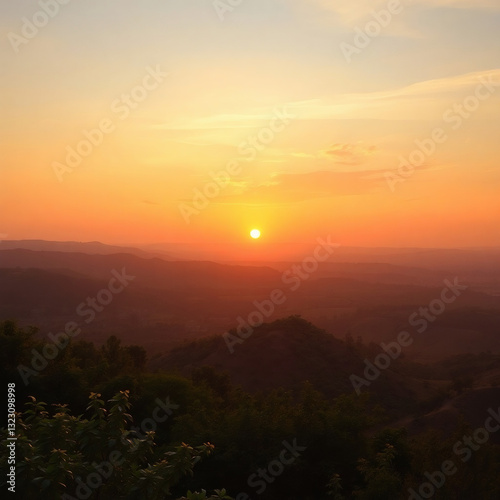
column 306, row 139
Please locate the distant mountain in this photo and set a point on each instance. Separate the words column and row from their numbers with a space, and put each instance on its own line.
column 170, row 301
column 92, row 247
column 483, row 260
column 148, row 272
column 371, row 272
column 25, row 291
column 167, row 302
column 458, row 260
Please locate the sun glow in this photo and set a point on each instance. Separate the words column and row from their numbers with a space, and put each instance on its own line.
column 255, row 234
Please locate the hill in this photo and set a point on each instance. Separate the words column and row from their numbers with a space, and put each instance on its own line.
column 284, row 354
column 149, row 272
column 91, row 247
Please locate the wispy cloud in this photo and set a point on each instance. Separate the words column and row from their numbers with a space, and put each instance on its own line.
column 294, row 188
column 349, row 154
column 350, row 13
column 416, row 101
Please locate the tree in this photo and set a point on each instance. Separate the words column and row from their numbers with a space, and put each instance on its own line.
column 69, row 457
column 382, row 481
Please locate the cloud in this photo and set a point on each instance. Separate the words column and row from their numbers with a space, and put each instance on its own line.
column 351, row 12
column 450, row 84
column 294, row 188
column 421, row 100
column 416, row 101
column 349, row 154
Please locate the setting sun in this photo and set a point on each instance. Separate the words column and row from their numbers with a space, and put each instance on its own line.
column 255, row 234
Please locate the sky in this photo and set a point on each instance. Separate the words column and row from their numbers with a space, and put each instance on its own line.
column 195, row 121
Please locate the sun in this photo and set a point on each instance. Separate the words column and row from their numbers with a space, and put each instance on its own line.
column 255, row 234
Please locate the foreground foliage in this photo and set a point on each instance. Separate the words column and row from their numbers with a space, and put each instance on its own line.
column 63, row 456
